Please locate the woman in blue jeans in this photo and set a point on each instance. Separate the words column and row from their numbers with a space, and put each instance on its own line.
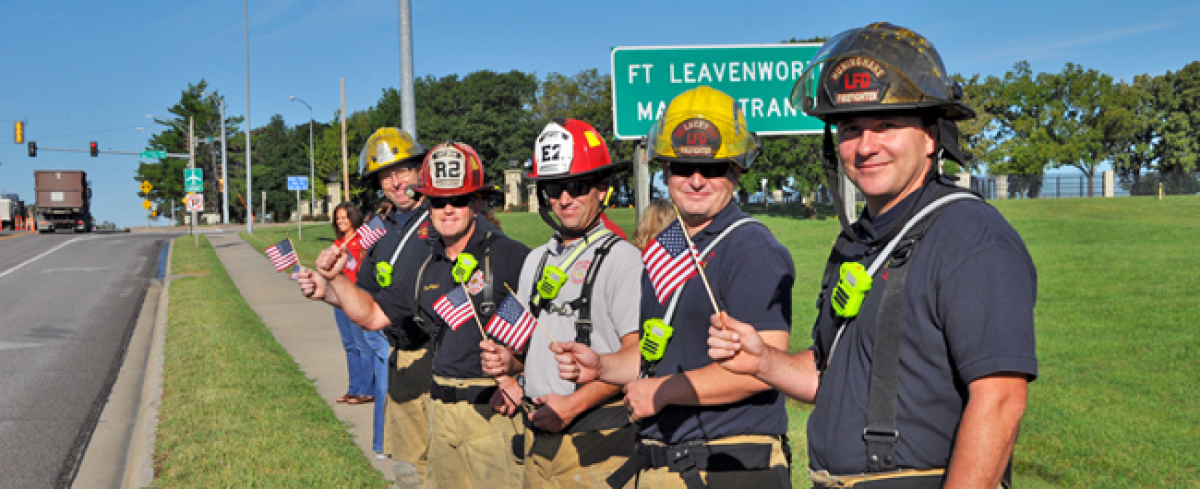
column 347, row 218
column 366, row 351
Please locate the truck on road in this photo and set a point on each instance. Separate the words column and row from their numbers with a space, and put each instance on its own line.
column 63, row 201
column 12, row 209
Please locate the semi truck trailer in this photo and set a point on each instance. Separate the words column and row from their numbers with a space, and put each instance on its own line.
column 63, row 201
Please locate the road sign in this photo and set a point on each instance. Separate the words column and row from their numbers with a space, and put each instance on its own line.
column 193, row 180
column 759, row 77
column 297, row 183
column 146, row 204
column 146, row 187
column 195, row 202
column 149, row 155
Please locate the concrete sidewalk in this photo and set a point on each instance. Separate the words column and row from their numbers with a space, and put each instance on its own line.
column 306, row 329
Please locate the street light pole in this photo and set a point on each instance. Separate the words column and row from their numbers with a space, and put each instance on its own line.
column 312, row 180
column 249, row 174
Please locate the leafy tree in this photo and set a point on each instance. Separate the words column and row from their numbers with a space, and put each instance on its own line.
column 166, row 175
column 487, row 110
column 1139, row 149
column 978, row 137
column 1178, row 97
column 279, row 151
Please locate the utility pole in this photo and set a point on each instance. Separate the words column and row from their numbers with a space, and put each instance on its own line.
column 224, row 170
column 345, row 154
column 408, row 101
column 249, row 174
column 192, row 166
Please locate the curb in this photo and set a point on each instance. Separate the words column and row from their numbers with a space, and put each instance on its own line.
column 139, row 465
column 120, row 452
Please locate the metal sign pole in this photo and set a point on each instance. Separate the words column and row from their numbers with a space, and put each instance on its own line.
column 192, row 165
column 299, row 219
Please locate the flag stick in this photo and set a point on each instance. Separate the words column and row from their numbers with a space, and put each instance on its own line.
column 485, row 336
column 297, row 253
column 535, row 321
column 475, row 313
column 696, row 259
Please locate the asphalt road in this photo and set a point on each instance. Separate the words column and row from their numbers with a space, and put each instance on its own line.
column 68, row 303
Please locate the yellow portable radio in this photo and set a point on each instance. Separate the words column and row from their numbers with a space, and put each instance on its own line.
column 852, row 287
column 463, row 267
column 551, row 282
column 655, row 335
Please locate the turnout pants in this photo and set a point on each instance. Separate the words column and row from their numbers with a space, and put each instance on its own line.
column 406, row 434
column 471, row 446
column 575, row 460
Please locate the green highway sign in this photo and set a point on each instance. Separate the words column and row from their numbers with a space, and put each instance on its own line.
column 149, row 155
column 193, row 180
column 759, row 76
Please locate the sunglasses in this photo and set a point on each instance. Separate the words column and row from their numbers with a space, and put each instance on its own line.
column 706, row 170
column 456, row 201
column 574, row 188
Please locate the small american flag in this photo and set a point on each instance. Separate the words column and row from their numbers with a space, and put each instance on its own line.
column 282, row 255
column 454, row 308
column 371, row 231
column 668, row 261
column 511, row 323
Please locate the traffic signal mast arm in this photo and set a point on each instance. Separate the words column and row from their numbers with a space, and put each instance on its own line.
column 106, row 151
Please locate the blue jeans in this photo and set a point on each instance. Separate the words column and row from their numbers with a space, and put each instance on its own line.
column 379, row 349
column 358, row 355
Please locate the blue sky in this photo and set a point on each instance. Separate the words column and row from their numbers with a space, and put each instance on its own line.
column 79, row 71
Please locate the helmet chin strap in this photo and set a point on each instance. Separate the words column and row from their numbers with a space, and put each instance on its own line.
column 834, row 181
column 546, row 210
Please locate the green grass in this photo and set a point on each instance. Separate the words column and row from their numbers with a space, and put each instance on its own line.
column 236, row 410
column 1118, row 340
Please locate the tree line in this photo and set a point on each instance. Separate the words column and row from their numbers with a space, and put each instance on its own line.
column 1148, row 129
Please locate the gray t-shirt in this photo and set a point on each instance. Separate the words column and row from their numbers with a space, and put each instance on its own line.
column 615, row 298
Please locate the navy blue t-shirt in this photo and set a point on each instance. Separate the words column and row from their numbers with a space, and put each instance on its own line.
column 458, row 353
column 751, row 275
column 396, row 224
column 970, row 293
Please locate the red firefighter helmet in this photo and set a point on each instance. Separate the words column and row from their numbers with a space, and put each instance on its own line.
column 452, row 169
column 568, row 148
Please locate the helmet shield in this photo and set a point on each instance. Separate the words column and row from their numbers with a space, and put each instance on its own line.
column 703, row 125
column 452, row 169
column 569, row 148
column 554, row 151
column 880, row 67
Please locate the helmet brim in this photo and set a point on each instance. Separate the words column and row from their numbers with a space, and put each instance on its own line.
column 613, row 167
column 413, row 161
column 421, row 190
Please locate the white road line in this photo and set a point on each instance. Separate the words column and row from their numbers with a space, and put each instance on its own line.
column 76, row 269
column 9, row 345
column 36, row 258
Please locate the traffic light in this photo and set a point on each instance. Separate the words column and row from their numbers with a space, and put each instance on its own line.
column 220, row 184
column 32, row 149
column 94, row 148
column 19, row 132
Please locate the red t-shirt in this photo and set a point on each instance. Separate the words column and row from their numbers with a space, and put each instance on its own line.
column 356, row 252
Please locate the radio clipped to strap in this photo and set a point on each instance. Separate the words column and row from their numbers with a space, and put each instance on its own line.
column 656, row 333
column 383, row 270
